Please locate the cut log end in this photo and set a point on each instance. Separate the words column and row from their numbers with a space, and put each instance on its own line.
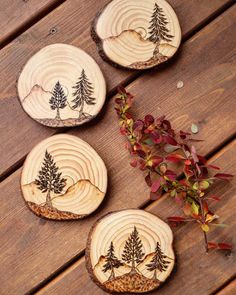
column 137, row 34
column 63, row 178
column 61, row 86
column 116, row 269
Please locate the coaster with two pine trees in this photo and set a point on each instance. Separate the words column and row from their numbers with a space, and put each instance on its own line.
column 137, row 34
column 130, row 251
column 63, row 178
column 61, row 86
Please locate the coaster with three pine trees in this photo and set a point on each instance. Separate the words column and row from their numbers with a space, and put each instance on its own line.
column 130, row 251
column 61, row 86
column 137, row 34
column 63, row 178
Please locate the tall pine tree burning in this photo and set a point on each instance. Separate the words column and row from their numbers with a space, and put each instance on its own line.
column 58, row 99
column 49, row 180
column 133, row 252
column 158, row 30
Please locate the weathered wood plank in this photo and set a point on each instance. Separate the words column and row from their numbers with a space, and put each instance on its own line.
column 31, row 245
column 230, row 289
column 196, row 272
column 71, row 24
column 15, row 14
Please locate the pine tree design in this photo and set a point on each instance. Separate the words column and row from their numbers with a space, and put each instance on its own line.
column 49, row 180
column 158, row 29
column 111, row 262
column 83, row 93
column 58, row 99
column 133, row 250
column 158, row 262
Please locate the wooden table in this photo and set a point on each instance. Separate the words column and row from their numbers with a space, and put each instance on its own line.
column 46, row 257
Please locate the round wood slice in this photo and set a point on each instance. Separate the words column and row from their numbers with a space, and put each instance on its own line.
column 61, row 85
column 137, row 34
column 63, row 178
column 130, row 251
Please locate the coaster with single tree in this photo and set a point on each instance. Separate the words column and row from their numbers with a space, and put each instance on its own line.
column 63, row 178
column 137, row 34
column 130, row 251
column 61, row 86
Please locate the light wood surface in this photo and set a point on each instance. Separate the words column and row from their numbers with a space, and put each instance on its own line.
column 195, row 270
column 61, row 86
column 130, row 251
column 183, row 108
column 52, row 29
column 137, row 34
column 75, row 182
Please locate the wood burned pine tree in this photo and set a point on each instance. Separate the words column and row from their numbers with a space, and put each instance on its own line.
column 49, row 180
column 58, row 100
column 83, row 94
column 158, row 29
column 133, row 250
column 158, row 262
column 111, row 262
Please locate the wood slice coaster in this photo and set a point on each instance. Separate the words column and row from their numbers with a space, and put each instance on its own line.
column 63, row 178
column 130, row 251
column 137, row 34
column 61, row 85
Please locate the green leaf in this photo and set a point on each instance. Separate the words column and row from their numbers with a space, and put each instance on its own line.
column 204, row 184
column 205, row 227
column 195, row 208
column 194, row 128
column 195, row 186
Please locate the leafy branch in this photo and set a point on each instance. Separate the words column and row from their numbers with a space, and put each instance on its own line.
column 172, row 165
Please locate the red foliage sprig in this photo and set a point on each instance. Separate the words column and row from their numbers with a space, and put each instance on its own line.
column 172, row 166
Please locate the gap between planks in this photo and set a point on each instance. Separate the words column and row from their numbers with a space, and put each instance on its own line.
column 79, row 260
column 127, row 81
column 29, row 23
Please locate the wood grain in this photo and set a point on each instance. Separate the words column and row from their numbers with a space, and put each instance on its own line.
column 132, row 241
column 76, row 30
column 15, row 14
column 76, row 180
column 195, row 270
column 230, row 289
column 44, row 245
column 135, row 34
column 61, row 86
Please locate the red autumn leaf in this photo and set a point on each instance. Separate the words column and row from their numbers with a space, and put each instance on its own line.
column 194, row 154
column 134, row 163
column 188, row 162
column 156, row 160
column 174, row 158
column 183, row 134
column 141, row 153
column 187, row 209
column 156, row 137
column 148, row 180
column 138, row 125
column 155, row 186
column 148, row 120
column 201, row 159
column 224, row 246
column 121, row 90
column 216, row 198
column 176, row 219
column 211, row 245
column 169, row 139
column 223, row 176
column 213, row 167
column 122, row 131
column 171, row 175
